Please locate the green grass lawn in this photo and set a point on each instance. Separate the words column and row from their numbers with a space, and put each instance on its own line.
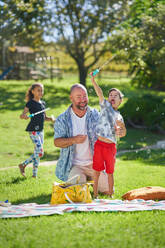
column 74, row 230
column 115, row 229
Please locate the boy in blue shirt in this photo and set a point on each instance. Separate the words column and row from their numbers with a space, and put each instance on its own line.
column 105, row 146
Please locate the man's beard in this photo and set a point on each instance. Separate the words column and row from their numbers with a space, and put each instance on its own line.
column 82, row 107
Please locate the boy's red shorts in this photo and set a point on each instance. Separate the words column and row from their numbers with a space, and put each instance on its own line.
column 104, row 156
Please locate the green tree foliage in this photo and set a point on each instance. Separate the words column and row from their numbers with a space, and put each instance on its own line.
column 23, row 21
column 142, row 37
column 82, row 25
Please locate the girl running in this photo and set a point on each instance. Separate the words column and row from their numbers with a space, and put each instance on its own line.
column 35, row 127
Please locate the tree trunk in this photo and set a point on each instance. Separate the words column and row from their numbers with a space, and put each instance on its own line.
column 82, row 74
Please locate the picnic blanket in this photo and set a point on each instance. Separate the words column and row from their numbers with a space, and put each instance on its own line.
column 98, row 205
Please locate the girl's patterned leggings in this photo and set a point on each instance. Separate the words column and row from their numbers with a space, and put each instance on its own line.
column 38, row 140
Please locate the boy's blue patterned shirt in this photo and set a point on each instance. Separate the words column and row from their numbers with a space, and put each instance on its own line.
column 107, row 121
column 63, row 129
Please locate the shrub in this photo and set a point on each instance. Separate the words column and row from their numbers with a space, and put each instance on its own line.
column 145, row 111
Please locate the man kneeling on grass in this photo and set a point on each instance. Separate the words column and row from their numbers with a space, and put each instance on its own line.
column 75, row 134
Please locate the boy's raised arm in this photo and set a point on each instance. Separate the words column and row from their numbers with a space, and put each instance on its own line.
column 97, row 88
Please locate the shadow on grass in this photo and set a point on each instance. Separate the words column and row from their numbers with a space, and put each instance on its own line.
column 49, row 133
column 51, row 157
column 47, row 156
column 54, row 96
column 13, row 99
column 41, row 199
column 148, row 157
column 14, row 181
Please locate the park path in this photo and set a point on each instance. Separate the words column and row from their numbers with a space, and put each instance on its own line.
column 158, row 145
column 46, row 163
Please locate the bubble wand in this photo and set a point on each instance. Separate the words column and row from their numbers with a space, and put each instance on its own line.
column 108, row 61
column 32, row 115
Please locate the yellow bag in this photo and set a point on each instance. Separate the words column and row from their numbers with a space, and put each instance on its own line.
column 64, row 193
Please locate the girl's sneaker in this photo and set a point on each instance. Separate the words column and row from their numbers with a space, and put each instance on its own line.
column 34, row 176
column 22, row 170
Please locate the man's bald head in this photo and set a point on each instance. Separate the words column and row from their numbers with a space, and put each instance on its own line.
column 76, row 86
column 79, row 97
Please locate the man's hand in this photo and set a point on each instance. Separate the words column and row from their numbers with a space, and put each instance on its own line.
column 78, row 139
column 65, row 142
column 120, row 129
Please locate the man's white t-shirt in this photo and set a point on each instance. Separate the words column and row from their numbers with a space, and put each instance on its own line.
column 82, row 154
